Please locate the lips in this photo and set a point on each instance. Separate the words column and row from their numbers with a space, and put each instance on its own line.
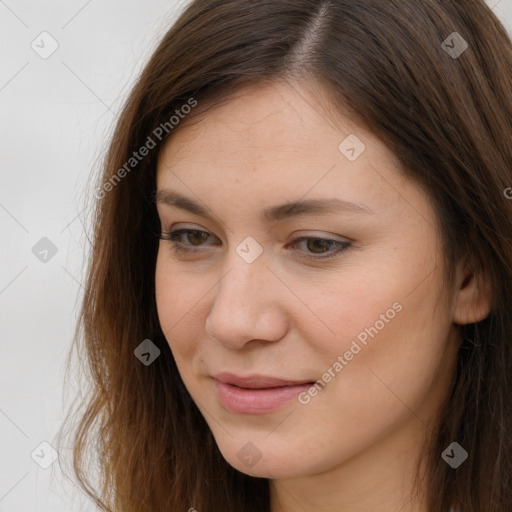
column 256, row 394
column 257, row 381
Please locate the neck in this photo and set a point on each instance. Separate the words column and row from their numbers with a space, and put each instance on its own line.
column 380, row 478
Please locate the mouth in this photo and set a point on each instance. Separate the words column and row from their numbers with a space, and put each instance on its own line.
column 256, row 394
column 257, row 381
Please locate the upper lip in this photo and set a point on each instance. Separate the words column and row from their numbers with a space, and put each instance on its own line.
column 256, row 381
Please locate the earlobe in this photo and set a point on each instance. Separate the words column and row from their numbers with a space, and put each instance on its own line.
column 473, row 298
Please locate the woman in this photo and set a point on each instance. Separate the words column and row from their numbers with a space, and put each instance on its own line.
column 300, row 287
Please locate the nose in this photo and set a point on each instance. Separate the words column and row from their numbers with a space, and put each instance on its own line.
column 248, row 305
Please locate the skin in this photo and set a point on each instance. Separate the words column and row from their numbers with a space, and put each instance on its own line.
column 355, row 445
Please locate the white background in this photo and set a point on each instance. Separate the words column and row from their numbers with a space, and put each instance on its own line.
column 56, row 114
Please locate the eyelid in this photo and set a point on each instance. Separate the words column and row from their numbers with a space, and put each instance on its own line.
column 323, row 235
column 308, row 234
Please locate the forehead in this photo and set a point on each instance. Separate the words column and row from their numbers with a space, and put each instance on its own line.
column 266, row 125
column 280, row 141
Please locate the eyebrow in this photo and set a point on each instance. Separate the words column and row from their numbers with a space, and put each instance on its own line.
column 272, row 213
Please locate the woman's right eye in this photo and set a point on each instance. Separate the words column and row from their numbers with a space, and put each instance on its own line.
column 175, row 238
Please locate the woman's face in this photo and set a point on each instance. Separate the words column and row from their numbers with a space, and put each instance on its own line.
column 345, row 288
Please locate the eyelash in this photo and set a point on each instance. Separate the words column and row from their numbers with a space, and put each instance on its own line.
column 180, row 247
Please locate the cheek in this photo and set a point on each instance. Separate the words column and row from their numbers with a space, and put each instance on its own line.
column 384, row 326
column 176, row 296
column 390, row 363
column 165, row 292
column 357, row 304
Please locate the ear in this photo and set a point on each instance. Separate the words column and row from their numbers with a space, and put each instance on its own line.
column 473, row 296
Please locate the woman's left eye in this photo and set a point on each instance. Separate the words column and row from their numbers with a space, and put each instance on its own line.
column 312, row 243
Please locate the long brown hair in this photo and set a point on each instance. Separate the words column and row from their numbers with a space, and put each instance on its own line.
column 445, row 111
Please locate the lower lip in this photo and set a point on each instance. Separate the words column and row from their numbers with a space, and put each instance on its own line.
column 257, row 401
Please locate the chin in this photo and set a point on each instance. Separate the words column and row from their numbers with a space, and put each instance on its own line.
column 269, row 468
column 263, row 460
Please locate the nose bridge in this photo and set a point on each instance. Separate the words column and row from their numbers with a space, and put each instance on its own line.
column 243, row 286
column 244, row 303
column 247, row 272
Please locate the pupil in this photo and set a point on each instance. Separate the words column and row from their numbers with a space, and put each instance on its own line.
column 319, row 244
column 202, row 236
